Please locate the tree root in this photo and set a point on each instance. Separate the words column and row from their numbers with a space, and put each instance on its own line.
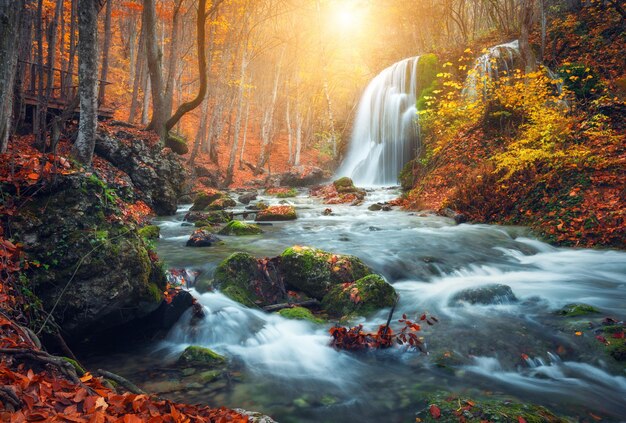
column 131, row 387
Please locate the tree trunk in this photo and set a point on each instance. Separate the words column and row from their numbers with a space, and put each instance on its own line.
column 88, row 83
column 154, row 56
column 105, row 51
column 140, row 77
column 268, row 123
column 174, row 58
column 10, row 18
column 245, row 135
column 235, row 146
column 528, row 57
column 289, row 132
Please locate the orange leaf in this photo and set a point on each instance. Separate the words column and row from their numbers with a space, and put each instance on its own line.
column 87, row 376
column 33, row 176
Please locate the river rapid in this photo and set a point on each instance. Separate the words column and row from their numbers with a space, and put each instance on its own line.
column 521, row 350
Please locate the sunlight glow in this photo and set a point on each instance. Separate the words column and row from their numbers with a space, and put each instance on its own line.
column 347, row 16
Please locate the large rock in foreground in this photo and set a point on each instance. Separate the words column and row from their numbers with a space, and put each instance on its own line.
column 157, row 173
column 95, row 272
column 315, row 272
column 343, row 283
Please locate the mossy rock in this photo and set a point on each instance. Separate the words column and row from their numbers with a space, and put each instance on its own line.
column 276, row 213
column 362, row 297
column 150, row 232
column 282, row 192
column 345, row 186
column 238, row 228
column 79, row 369
column 478, row 410
column 616, row 346
column 573, row 310
column 315, row 272
column 239, row 278
column 204, row 198
column 222, row 203
column 177, row 143
column 493, row 293
column 204, row 285
column 300, row 313
column 200, row 356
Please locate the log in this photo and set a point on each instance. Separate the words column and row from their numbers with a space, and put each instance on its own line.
column 277, row 307
column 131, row 387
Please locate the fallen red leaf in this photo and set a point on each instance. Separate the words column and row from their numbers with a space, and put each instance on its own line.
column 435, row 411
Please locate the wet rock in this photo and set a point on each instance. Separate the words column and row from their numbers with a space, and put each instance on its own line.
column 282, row 192
column 572, row 310
column 157, row 173
column 315, row 272
column 204, row 198
column 302, row 176
column 202, row 238
column 458, row 217
column 247, row 198
column 327, row 212
column 386, row 208
column 362, row 297
column 240, row 278
column 276, row 213
column 255, row 417
column 343, row 185
column 112, row 276
column 177, row 144
column 483, row 409
column 342, row 191
column 209, row 218
column 222, row 204
column 150, row 232
column 200, row 356
column 375, row 207
column 166, row 316
column 485, row 294
column 238, row 228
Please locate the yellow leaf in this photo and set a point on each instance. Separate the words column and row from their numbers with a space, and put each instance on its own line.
column 579, row 333
column 87, row 376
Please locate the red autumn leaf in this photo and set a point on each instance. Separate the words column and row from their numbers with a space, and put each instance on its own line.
column 520, row 419
column 618, row 335
column 435, row 411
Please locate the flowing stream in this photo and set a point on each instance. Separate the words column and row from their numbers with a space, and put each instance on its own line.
column 520, row 350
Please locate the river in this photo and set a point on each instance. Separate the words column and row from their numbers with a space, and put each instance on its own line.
column 520, row 350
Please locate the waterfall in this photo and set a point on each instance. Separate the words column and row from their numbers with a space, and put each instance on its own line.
column 386, row 132
column 496, row 61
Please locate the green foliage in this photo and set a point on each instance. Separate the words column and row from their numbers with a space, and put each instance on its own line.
column 288, row 194
column 150, row 232
column 580, row 80
column 427, row 69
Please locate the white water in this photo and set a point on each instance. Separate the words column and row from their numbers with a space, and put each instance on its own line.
column 386, row 132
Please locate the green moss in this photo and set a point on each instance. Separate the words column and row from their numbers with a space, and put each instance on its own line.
column 239, row 295
column 155, row 292
column 177, row 143
column 238, row 228
column 363, row 297
column 209, row 376
column 572, row 310
column 200, row 356
column 300, row 313
column 287, row 194
column 427, row 69
column 150, row 232
column 315, row 271
column 491, row 409
column 204, row 198
column 79, row 369
column 222, row 203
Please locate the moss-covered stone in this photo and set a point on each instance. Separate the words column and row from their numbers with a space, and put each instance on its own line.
column 238, row 228
column 204, row 285
column 478, row 410
column 300, row 313
column 204, row 198
column 79, row 369
column 315, row 272
column 150, row 232
column 282, row 192
column 177, row 143
column 343, row 184
column 202, row 238
column 276, row 213
column 200, row 356
column 493, row 293
column 362, row 297
column 222, row 203
column 573, row 310
column 239, row 277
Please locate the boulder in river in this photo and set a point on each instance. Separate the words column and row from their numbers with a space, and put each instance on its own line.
column 485, row 294
column 202, row 238
column 209, row 218
column 98, row 271
column 276, row 213
column 212, row 199
column 577, row 309
column 362, row 297
column 302, row 176
column 200, row 356
column 315, row 272
column 247, row 197
column 242, row 278
column 239, row 228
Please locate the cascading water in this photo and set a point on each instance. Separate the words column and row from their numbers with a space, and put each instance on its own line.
column 386, row 130
column 495, row 62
